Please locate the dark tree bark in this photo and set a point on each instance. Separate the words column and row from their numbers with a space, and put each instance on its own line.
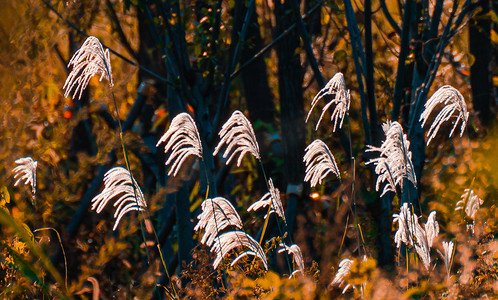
column 257, row 92
column 481, row 71
column 314, row 23
column 290, row 75
column 256, row 89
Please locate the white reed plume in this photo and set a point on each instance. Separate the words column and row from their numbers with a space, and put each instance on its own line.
column 319, row 163
column 297, row 256
column 271, row 198
column 238, row 134
column 471, row 202
column 424, row 254
column 344, row 270
column 406, row 226
column 91, row 59
column 447, row 255
column 183, row 140
column 217, row 214
column 411, row 233
column 118, row 183
column 26, row 170
column 233, row 239
column 335, row 87
column 431, row 228
column 421, row 245
column 395, row 160
column 452, row 101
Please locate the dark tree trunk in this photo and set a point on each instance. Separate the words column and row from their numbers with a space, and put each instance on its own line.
column 184, row 228
column 417, row 141
column 481, row 71
column 383, row 224
column 314, row 22
column 254, row 77
column 256, row 90
column 290, row 79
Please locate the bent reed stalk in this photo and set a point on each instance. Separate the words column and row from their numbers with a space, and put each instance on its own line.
column 91, row 59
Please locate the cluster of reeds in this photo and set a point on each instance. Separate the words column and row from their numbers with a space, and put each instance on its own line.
column 220, row 222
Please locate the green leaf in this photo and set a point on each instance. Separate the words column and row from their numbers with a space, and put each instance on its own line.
column 340, row 55
column 28, row 232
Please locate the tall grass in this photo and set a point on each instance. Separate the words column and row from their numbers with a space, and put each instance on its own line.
column 226, row 233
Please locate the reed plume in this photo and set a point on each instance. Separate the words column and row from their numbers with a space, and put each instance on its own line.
column 453, row 102
column 335, row 87
column 394, row 162
column 119, row 184
column 217, row 214
column 239, row 136
column 447, row 255
column 425, row 238
column 233, row 239
column 342, row 273
column 406, row 226
column 422, row 246
column 431, row 228
column 26, row 170
column 182, row 139
column 412, row 234
column 471, row 202
column 319, row 163
column 271, row 198
column 91, row 59
column 297, row 256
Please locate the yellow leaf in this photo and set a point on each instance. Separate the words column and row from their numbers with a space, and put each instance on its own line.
column 495, row 80
column 28, row 231
column 5, row 196
column 325, row 18
column 494, row 37
column 471, row 59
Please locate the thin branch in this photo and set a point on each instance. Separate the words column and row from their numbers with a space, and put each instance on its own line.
column 421, row 93
column 357, row 55
column 274, row 42
column 60, row 56
column 307, row 44
column 403, row 54
column 389, row 17
column 214, row 49
column 222, row 102
column 83, row 33
column 119, row 29
column 369, row 76
column 172, row 56
column 467, row 8
column 436, row 18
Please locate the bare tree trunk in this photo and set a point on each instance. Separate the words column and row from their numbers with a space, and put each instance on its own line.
column 481, row 71
column 255, row 77
column 256, row 89
column 290, row 75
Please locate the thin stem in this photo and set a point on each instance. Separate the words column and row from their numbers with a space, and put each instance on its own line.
column 127, row 163
column 212, row 205
column 62, row 247
column 163, row 262
column 269, row 207
column 407, row 259
column 268, row 217
column 353, row 188
column 344, row 235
